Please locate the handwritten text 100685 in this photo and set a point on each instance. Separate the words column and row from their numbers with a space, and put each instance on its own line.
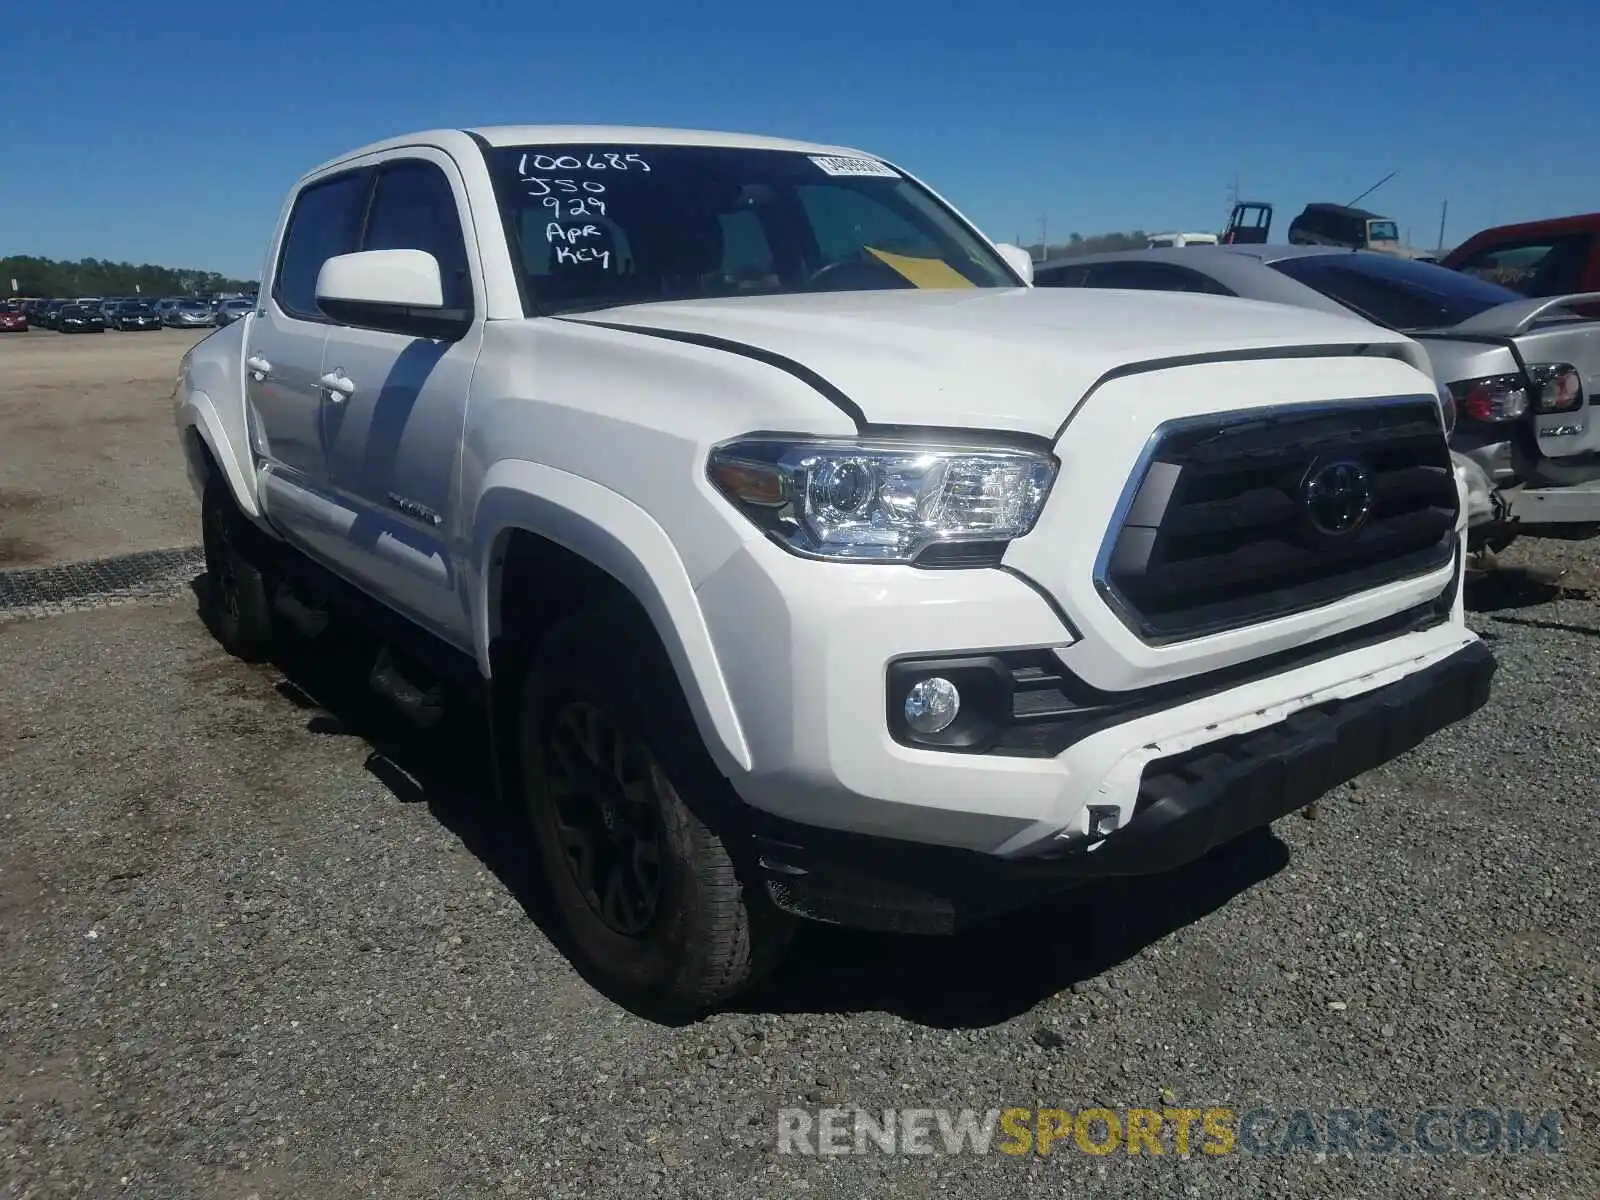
column 567, row 197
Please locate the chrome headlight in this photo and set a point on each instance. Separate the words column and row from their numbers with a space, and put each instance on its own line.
column 885, row 501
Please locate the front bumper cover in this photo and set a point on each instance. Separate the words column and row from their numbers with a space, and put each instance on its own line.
column 1187, row 805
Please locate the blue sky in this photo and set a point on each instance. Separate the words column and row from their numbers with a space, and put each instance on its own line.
column 169, row 131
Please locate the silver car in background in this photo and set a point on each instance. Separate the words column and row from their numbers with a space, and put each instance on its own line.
column 190, row 314
column 229, row 311
column 1521, row 373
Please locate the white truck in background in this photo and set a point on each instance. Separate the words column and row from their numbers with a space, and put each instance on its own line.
column 811, row 563
column 1167, row 241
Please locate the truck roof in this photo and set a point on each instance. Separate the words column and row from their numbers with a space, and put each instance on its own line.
column 555, row 135
column 1345, row 209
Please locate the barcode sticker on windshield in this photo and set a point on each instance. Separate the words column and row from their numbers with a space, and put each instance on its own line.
column 837, row 165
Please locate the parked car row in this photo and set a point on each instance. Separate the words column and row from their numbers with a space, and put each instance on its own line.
column 86, row 314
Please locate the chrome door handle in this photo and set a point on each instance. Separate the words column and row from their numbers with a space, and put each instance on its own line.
column 259, row 367
column 338, row 385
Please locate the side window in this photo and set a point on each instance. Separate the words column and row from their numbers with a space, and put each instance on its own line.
column 844, row 219
column 1073, row 276
column 325, row 222
column 1153, row 277
column 1545, row 267
column 413, row 208
column 1194, row 281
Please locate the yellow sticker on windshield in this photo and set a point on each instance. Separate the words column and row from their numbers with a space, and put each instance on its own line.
column 923, row 272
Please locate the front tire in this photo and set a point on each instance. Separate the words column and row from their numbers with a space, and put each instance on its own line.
column 632, row 823
column 237, row 602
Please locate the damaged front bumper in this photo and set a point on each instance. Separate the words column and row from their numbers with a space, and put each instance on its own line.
column 1188, row 804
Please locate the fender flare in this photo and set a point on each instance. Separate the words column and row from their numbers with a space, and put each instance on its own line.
column 623, row 540
column 197, row 412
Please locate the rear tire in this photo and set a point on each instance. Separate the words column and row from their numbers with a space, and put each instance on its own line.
column 633, row 823
column 237, row 605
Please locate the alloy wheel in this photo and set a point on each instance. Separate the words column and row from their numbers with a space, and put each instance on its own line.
column 604, row 785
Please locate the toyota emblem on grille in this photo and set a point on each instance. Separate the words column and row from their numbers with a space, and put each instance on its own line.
column 1337, row 497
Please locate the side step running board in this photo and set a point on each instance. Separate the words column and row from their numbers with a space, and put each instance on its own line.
column 419, row 698
column 307, row 621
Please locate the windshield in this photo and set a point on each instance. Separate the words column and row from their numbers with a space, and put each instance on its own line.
column 1394, row 292
column 1382, row 231
column 592, row 226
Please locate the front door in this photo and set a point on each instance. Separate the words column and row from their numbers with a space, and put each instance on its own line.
column 284, row 345
column 394, row 408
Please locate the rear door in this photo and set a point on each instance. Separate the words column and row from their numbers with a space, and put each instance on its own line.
column 283, row 360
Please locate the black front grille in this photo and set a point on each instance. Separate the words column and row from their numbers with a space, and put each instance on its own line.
column 1228, row 526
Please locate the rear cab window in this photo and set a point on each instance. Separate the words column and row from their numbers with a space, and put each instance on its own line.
column 1382, row 231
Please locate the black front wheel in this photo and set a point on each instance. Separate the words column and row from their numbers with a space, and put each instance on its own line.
column 630, row 819
column 237, row 602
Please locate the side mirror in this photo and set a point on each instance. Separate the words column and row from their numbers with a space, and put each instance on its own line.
column 398, row 291
column 1018, row 259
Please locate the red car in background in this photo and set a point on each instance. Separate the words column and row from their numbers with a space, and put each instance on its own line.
column 1559, row 257
column 12, row 318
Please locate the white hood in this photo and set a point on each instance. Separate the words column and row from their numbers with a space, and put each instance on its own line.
column 1014, row 359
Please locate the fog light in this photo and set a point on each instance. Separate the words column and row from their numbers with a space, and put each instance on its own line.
column 1103, row 820
column 932, row 704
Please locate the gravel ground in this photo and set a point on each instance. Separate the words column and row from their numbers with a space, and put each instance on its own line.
column 89, row 464
column 256, row 944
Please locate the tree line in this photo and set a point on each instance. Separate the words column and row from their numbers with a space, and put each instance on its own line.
column 98, row 277
column 1095, row 243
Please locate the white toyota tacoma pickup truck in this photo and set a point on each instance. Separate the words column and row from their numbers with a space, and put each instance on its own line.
column 811, row 562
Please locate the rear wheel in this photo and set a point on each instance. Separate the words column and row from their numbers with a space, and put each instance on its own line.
column 237, row 603
column 631, row 820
